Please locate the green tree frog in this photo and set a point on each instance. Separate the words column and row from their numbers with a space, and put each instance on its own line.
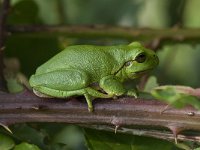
column 92, row 71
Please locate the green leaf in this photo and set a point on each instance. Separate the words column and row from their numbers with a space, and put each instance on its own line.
column 26, row 133
column 26, row 146
column 190, row 19
column 175, row 97
column 70, row 136
column 103, row 140
column 6, row 142
column 150, row 84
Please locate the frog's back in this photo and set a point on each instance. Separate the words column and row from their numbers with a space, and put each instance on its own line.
column 92, row 59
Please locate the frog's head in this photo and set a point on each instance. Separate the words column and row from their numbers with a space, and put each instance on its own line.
column 139, row 60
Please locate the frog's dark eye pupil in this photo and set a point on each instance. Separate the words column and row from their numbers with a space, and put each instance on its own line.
column 140, row 58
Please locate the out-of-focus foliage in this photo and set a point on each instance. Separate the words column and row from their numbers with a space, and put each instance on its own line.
column 178, row 63
column 154, row 14
column 150, row 84
column 98, row 140
column 37, row 48
column 6, row 142
column 175, row 97
column 46, row 136
column 26, row 146
column 136, row 13
column 190, row 16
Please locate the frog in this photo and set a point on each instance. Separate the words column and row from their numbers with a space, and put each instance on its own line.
column 93, row 71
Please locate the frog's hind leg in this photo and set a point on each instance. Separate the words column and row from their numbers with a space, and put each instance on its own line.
column 41, row 94
column 56, row 93
column 65, row 83
column 89, row 99
column 88, row 92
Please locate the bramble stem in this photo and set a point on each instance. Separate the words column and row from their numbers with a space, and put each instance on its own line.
column 102, row 31
column 131, row 115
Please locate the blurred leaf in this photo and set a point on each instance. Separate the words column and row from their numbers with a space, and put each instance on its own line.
column 70, row 136
column 14, row 86
column 190, row 16
column 61, row 136
column 179, row 64
column 183, row 146
column 25, row 133
column 175, row 11
column 59, row 146
column 150, row 84
column 11, row 72
column 26, row 146
column 24, row 12
column 31, row 52
column 6, row 142
column 14, row 78
column 101, row 12
column 154, row 14
column 51, row 11
column 173, row 96
column 102, row 140
column 55, row 136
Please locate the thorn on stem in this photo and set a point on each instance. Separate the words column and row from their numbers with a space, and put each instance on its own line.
column 175, row 139
column 117, row 122
column 191, row 113
column 175, row 130
column 164, row 109
column 116, row 127
column 6, row 127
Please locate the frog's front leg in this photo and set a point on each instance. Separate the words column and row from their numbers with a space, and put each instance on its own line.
column 112, row 85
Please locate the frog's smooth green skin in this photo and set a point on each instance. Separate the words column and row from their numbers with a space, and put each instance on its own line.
column 93, row 71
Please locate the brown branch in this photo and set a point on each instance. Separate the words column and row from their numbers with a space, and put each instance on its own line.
column 103, row 31
column 3, row 15
column 127, row 113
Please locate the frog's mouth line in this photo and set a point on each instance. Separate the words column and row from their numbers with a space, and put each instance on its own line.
column 141, row 72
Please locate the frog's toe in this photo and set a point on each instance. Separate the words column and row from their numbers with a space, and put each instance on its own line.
column 90, row 109
column 133, row 93
column 115, row 97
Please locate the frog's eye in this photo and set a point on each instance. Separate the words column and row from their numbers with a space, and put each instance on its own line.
column 140, row 58
column 128, row 63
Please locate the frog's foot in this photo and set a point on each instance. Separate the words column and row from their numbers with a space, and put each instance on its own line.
column 132, row 92
column 89, row 99
column 115, row 97
column 90, row 94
